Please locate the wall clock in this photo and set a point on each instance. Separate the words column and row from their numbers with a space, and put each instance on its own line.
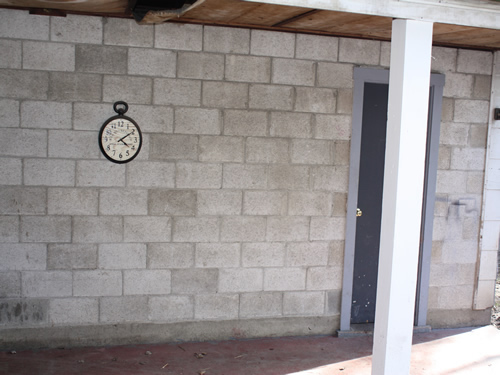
column 120, row 138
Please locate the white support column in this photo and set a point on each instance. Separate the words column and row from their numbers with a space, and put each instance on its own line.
column 409, row 80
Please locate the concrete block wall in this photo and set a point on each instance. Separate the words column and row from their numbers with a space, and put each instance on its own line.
column 234, row 211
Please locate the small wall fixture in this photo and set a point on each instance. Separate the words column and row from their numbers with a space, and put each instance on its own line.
column 496, row 115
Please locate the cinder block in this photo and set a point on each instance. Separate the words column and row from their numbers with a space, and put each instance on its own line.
column 327, row 228
column 324, row 278
column 196, row 229
column 271, row 97
column 23, row 201
column 172, row 202
column 359, row 51
column 45, row 229
column 49, row 172
column 458, row 85
column 244, row 176
column 217, row 255
column 173, row 146
column 200, row 121
column 470, row 230
column 219, row 202
column 265, row 203
column 304, row 254
column 243, row 229
column 317, row 100
column 311, row 151
column 123, row 32
column 246, row 123
column 482, row 87
column 335, row 75
column 12, row 25
column 23, row 84
column 97, row 229
column 344, row 101
column 267, row 150
column 145, row 282
column 12, row 54
column 170, row 255
column 310, row 203
column 177, row 92
column 444, row 59
column 226, row 40
column 333, row 302
column 304, row 303
column 147, row 229
column 23, row 142
column 342, row 153
column 468, row 158
column 47, row 283
column 451, row 182
column 73, row 87
column 124, row 309
column 10, row 113
column 288, row 177
column 225, row 94
column 283, row 279
column 265, row 304
column 199, row 175
column 475, row 182
column 128, row 202
column 271, row 43
column 71, row 201
column 288, row 228
column 151, row 174
column 444, row 158
column 69, row 144
column 122, row 256
column 293, row 72
column 475, row 111
column 77, row 29
column 336, row 255
column 49, row 56
column 195, row 65
column 454, row 134
column 216, row 306
column 153, row 119
column 194, row 281
column 330, row 178
column 222, row 149
column 100, row 173
column 447, row 110
column 151, row 62
column 476, row 62
column 11, row 171
column 317, row 47
column 171, row 308
column 89, row 116
column 179, row 36
column 335, row 127
column 71, row 256
column 101, row 59
column 385, row 54
column 9, row 229
column 74, row 311
column 456, row 297
column 10, row 284
column 459, row 251
column 477, row 136
column 238, row 280
column 263, row 254
column 18, row 312
column 136, row 90
column 248, row 69
column 97, row 283
column 339, row 204
column 290, row 125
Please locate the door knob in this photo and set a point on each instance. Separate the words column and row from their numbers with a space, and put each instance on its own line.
column 358, row 212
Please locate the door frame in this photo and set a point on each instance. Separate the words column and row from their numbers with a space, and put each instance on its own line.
column 373, row 75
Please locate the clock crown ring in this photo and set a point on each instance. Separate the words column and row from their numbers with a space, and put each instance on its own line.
column 120, row 111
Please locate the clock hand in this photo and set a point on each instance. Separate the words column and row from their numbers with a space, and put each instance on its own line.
column 122, row 139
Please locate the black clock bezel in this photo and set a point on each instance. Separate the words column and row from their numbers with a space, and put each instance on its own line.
column 121, row 116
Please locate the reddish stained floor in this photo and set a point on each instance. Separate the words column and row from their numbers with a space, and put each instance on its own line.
column 473, row 351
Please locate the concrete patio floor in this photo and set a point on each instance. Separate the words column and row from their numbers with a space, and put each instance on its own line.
column 455, row 351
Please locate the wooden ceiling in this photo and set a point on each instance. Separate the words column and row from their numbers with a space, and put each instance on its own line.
column 237, row 13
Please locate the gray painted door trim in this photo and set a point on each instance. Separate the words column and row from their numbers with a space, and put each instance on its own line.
column 362, row 75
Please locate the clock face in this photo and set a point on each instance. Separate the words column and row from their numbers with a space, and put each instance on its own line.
column 120, row 139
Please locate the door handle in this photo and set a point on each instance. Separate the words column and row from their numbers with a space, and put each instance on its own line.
column 358, row 212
